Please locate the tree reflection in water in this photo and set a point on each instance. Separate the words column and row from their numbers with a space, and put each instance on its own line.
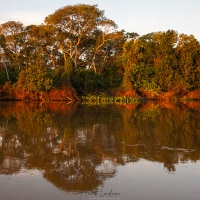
column 78, row 147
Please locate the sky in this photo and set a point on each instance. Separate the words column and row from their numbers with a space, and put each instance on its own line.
column 140, row 16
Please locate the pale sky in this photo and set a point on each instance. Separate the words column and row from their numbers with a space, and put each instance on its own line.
column 140, row 16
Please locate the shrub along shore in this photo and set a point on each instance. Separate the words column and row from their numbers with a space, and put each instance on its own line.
column 7, row 93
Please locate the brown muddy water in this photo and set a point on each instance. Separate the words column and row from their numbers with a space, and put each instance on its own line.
column 59, row 151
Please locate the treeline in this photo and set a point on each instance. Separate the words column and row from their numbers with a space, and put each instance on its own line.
column 78, row 47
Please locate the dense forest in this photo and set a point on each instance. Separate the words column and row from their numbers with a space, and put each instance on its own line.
column 78, row 51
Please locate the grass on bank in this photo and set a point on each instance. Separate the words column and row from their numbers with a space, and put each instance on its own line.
column 104, row 99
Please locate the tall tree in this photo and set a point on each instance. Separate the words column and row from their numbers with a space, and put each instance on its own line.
column 76, row 28
column 38, row 48
column 11, row 31
column 165, row 61
column 132, row 56
column 188, row 55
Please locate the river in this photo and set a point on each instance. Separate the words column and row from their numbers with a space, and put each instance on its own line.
column 60, row 151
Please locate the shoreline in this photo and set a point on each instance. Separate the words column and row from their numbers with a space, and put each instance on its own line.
column 69, row 94
column 106, row 99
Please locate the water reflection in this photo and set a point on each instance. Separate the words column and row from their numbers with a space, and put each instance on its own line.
column 78, row 147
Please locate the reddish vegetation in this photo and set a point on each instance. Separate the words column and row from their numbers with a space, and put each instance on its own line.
column 64, row 94
column 193, row 95
column 170, row 95
column 148, row 95
column 8, row 92
column 34, row 96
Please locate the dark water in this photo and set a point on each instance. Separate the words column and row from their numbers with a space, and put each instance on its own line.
column 55, row 151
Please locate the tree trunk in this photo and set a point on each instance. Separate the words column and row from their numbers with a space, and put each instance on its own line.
column 94, row 65
column 6, row 71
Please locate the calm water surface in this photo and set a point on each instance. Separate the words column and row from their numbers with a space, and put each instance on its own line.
column 55, row 151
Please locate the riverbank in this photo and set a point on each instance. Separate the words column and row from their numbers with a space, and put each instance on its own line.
column 68, row 93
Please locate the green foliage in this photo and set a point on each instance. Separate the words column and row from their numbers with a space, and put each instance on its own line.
column 143, row 77
column 59, row 76
column 68, row 66
column 104, row 99
column 162, row 61
column 13, row 74
column 87, row 81
column 34, row 79
column 113, row 75
column 188, row 54
column 3, row 77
